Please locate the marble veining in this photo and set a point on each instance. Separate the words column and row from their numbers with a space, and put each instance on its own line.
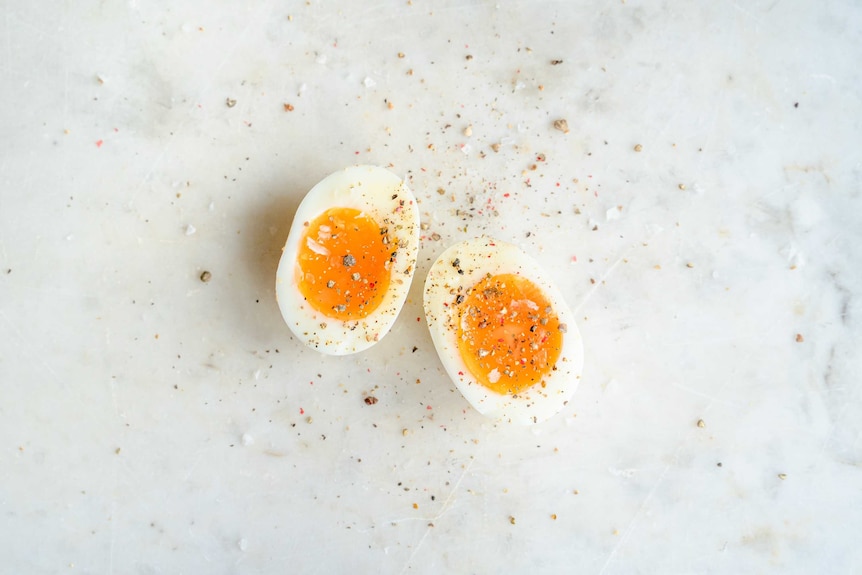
column 702, row 216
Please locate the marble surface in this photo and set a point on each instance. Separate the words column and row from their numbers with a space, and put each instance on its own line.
column 154, row 423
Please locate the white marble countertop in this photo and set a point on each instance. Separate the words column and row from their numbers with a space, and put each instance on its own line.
column 153, row 423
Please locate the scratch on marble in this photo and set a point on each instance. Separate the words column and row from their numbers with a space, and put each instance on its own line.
column 711, row 132
column 748, row 13
column 600, row 282
column 630, row 527
column 8, row 38
column 706, row 396
column 229, row 53
column 19, row 337
column 443, row 510
column 608, row 273
column 113, row 521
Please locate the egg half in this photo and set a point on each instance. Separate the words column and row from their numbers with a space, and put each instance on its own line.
column 503, row 331
column 348, row 261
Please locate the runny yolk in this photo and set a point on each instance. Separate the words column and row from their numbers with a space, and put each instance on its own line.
column 508, row 334
column 343, row 263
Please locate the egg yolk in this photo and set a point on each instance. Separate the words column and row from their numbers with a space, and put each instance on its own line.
column 508, row 335
column 343, row 263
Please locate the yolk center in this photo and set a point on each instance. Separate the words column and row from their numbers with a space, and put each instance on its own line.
column 508, row 334
column 343, row 263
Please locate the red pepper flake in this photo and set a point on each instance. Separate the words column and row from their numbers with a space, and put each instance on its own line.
column 574, row 259
column 460, row 373
column 428, row 407
column 418, row 319
column 506, row 195
column 356, row 152
column 99, row 143
column 301, row 411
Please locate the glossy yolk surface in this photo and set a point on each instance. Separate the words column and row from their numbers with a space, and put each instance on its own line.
column 343, row 263
column 508, row 335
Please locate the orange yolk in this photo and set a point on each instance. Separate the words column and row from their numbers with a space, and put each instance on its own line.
column 343, row 263
column 508, row 334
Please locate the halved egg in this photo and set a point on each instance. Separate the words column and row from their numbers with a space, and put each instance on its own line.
column 348, row 261
column 503, row 331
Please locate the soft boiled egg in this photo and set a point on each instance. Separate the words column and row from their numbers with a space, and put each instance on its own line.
column 348, row 260
column 503, row 331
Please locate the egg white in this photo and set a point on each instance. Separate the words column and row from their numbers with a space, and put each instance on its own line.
column 478, row 257
column 383, row 196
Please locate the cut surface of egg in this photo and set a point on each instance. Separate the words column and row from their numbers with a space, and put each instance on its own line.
column 348, row 260
column 503, row 331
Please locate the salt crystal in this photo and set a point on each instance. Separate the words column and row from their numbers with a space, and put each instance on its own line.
column 316, row 247
column 494, row 375
column 369, row 83
column 243, row 544
column 321, row 59
column 247, row 439
column 190, row 229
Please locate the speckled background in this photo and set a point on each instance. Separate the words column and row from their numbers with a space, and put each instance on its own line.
column 153, row 423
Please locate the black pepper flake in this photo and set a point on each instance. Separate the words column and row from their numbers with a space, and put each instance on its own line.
column 348, row 261
column 206, row 276
column 459, row 299
column 456, row 262
column 556, row 62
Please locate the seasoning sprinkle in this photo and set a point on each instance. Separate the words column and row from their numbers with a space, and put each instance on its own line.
column 206, row 276
column 561, row 125
column 231, row 102
column 349, row 260
column 638, row 147
column 370, row 400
